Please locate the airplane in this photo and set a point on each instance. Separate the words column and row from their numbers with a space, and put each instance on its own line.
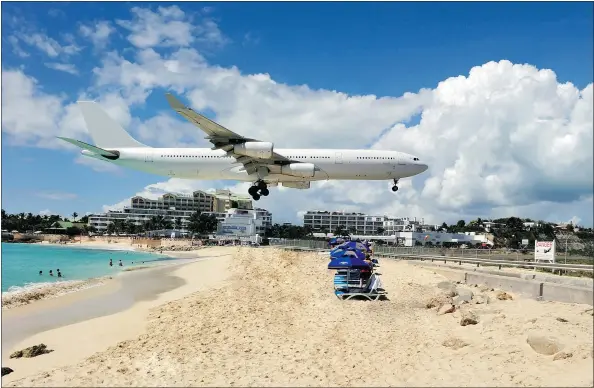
column 235, row 157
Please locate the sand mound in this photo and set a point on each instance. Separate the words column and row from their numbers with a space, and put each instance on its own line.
column 278, row 323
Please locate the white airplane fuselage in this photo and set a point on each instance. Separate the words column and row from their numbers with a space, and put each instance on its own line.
column 207, row 164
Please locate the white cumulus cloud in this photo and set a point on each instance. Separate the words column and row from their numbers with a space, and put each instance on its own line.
column 98, row 33
column 65, row 67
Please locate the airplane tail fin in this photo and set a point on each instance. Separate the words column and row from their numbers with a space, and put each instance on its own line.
column 106, row 133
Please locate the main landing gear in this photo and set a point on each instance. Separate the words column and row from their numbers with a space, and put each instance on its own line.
column 395, row 188
column 258, row 189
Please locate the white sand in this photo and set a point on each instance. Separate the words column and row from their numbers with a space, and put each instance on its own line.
column 74, row 343
column 123, row 245
column 276, row 322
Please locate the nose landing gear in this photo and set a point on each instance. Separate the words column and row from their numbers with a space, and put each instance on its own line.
column 260, row 188
column 395, row 187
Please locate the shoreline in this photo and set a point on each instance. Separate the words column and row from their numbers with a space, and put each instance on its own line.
column 34, row 292
column 113, row 312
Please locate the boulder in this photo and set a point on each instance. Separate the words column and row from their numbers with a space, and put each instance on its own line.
column 562, row 356
column 563, row 320
column 6, row 370
column 544, row 344
column 468, row 318
column 502, row 295
column 31, row 351
column 447, row 286
column 480, row 299
column 465, row 294
column 446, row 309
column 438, row 301
column 458, row 300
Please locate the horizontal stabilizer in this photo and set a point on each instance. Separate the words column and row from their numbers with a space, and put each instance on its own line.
column 91, row 148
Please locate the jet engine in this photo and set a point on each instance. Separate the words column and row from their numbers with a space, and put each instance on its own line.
column 305, row 170
column 255, row 149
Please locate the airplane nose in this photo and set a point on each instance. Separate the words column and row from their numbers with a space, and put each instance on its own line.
column 423, row 167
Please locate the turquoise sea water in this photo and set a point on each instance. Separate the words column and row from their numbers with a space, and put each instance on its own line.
column 21, row 263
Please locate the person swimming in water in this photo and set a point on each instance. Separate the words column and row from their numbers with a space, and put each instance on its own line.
column 51, row 273
column 120, row 264
column 59, row 274
column 110, row 263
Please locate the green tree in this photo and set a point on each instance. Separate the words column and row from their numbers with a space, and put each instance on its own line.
column 74, row 215
column 380, row 230
column 514, row 224
column 73, row 231
column 341, row 231
column 195, row 223
column 130, row 227
column 178, row 223
column 208, row 223
column 119, row 226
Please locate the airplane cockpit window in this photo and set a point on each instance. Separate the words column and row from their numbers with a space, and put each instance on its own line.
column 416, row 159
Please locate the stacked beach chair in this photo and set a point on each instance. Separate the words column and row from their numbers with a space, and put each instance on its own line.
column 355, row 276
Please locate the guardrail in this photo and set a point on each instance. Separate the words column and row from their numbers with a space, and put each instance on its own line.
column 469, row 253
column 499, row 263
column 418, row 255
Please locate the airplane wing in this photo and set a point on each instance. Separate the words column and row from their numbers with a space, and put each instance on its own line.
column 223, row 138
column 302, row 185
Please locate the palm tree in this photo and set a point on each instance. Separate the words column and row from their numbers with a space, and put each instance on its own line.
column 74, row 215
column 178, row 223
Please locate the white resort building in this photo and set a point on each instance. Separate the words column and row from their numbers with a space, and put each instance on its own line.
column 328, row 221
column 171, row 206
column 403, row 231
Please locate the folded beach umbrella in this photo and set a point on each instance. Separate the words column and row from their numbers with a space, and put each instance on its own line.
column 354, row 245
column 348, row 260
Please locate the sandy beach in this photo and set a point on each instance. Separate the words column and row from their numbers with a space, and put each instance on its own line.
column 266, row 317
column 114, row 311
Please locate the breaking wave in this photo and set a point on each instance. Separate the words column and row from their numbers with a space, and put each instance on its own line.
column 30, row 292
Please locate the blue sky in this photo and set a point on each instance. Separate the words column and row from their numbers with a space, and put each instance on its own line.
column 381, row 49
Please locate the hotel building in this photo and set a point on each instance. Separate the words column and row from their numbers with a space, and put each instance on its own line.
column 173, row 206
column 360, row 223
